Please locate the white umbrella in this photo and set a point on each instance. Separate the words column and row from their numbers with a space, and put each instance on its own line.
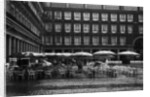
column 46, row 63
column 104, row 52
column 67, row 54
column 128, row 53
column 82, row 54
column 38, row 54
column 28, row 54
column 50, row 54
column 64, row 54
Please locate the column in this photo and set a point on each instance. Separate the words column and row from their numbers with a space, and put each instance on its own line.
column 26, row 48
column 29, row 47
column 17, row 46
column 22, row 49
column 20, row 46
column 7, row 48
column 23, row 46
column 9, row 45
column 13, row 46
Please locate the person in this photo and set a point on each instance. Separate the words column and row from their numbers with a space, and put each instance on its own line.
column 80, row 67
column 106, row 61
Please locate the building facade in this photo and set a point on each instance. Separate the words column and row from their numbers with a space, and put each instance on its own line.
column 64, row 27
column 81, row 27
column 23, row 27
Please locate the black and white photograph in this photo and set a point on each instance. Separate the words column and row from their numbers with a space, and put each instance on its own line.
column 56, row 48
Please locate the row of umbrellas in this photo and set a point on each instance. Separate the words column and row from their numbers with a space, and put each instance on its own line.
column 104, row 52
column 82, row 53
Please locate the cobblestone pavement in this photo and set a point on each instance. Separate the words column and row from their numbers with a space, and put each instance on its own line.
column 60, row 86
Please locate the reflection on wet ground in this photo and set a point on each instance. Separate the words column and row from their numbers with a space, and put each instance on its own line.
column 60, row 86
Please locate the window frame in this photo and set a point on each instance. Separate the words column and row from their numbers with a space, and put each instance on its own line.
column 86, row 16
column 104, row 17
column 95, row 18
column 130, row 17
column 86, row 28
column 77, row 29
column 114, row 41
column 122, row 17
column 67, row 15
column 56, row 29
column 77, row 16
column 67, row 40
column 113, row 17
column 104, row 40
column 57, row 15
column 113, row 29
column 77, row 40
column 67, row 27
column 104, row 28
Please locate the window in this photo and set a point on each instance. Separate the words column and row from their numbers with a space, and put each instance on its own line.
column 95, row 16
column 95, row 40
column 77, row 40
column 122, row 17
column 104, row 40
column 17, row 14
column 86, row 28
column 67, row 28
column 113, row 41
column 48, row 40
column 21, row 17
column 50, row 15
column 67, row 15
column 47, row 14
column 122, row 41
column 104, row 17
column 113, row 17
column 77, row 16
column 114, row 29
column 13, row 10
column 86, row 40
column 95, row 28
column 8, row 8
column 58, row 40
column 140, row 29
column 43, row 39
column 86, row 16
column 130, row 17
column 48, row 27
column 77, row 28
column 57, row 27
column 130, row 29
column 104, row 28
column 140, row 18
column 67, row 40
column 122, row 29
column 58, row 15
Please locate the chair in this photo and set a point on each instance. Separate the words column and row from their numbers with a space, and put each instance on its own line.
column 48, row 73
column 31, row 75
column 10, row 75
column 19, row 75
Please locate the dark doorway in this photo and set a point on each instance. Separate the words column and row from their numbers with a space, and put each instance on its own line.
column 138, row 47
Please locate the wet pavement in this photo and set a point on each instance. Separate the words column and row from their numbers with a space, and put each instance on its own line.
column 61, row 86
